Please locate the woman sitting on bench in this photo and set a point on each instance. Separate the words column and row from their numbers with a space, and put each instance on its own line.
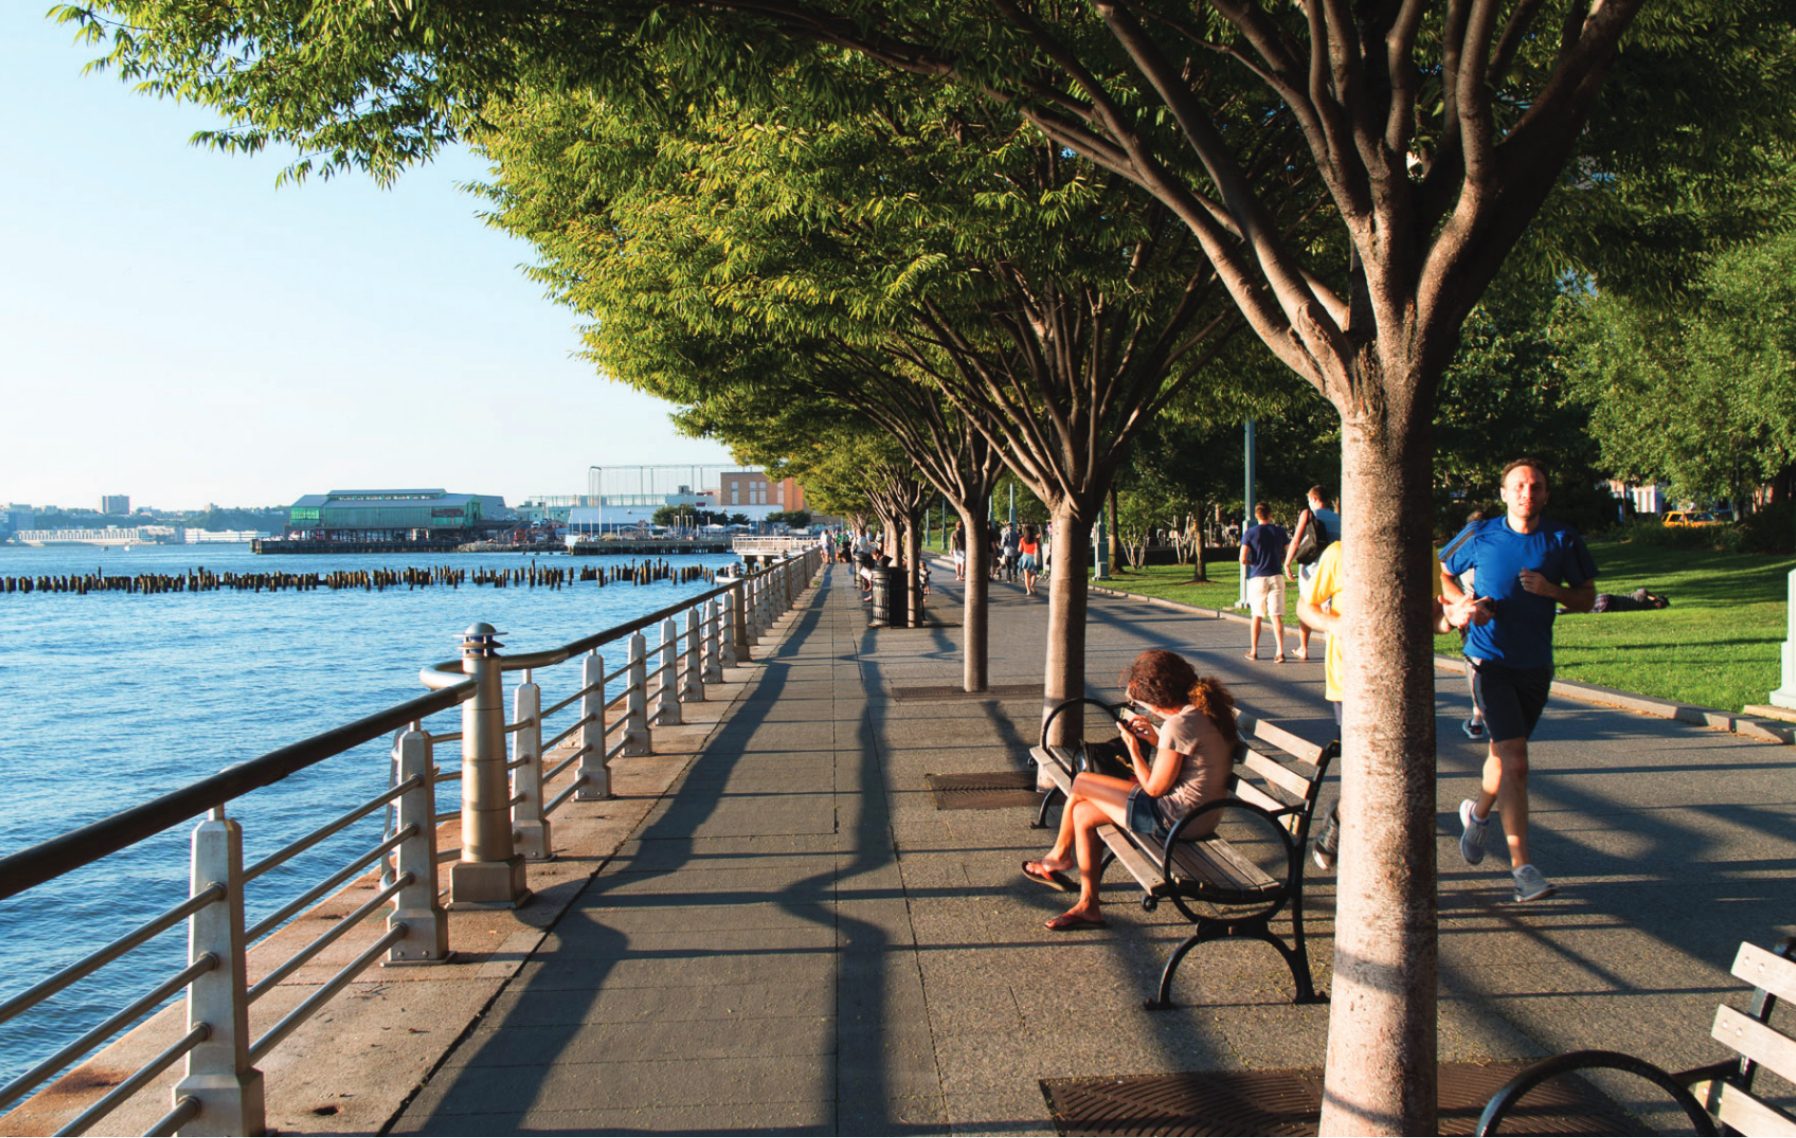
column 1189, row 765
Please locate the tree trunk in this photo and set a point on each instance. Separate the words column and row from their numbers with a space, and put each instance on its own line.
column 1197, row 547
column 1063, row 677
column 973, row 613
column 1381, row 1040
column 1115, row 534
column 913, row 583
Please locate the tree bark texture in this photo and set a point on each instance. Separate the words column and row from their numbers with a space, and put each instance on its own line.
column 974, row 614
column 1063, row 674
column 1381, row 1075
column 913, row 583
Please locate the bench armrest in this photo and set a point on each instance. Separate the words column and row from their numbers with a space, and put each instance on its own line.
column 1511, row 1093
column 1293, row 855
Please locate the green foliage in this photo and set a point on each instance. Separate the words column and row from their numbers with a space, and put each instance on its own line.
column 688, row 516
column 1703, row 395
column 797, row 519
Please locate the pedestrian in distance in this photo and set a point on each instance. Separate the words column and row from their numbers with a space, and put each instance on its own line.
column 957, row 545
column 1030, row 559
column 1011, row 547
column 1523, row 566
column 1263, row 552
column 1326, row 525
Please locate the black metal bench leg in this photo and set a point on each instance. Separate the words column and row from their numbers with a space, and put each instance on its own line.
column 1047, row 800
column 1163, row 998
column 1298, row 961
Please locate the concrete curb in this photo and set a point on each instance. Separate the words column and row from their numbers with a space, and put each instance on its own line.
column 1763, row 729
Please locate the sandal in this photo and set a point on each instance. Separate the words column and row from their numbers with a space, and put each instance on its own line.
column 1052, row 878
column 1073, row 922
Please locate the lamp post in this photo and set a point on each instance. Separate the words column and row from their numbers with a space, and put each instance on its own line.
column 1247, row 517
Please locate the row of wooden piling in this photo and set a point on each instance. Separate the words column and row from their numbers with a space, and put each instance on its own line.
column 201, row 580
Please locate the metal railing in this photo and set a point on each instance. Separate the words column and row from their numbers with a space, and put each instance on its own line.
column 505, row 813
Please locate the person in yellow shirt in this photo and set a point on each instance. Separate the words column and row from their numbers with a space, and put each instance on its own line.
column 1322, row 610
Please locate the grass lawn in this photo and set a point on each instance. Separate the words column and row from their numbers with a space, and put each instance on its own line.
column 1716, row 646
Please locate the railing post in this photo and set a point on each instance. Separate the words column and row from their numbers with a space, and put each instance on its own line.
column 490, row 873
column 636, row 699
column 416, row 907
column 714, row 641
column 692, row 676
column 219, row 1076
column 529, row 829
column 594, row 772
column 760, row 595
column 667, row 704
column 736, row 600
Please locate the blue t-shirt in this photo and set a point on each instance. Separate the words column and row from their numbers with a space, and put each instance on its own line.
column 1331, row 526
column 1521, row 634
column 1265, row 550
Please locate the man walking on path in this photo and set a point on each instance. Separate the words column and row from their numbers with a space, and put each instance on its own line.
column 1263, row 552
column 1523, row 567
column 1327, row 525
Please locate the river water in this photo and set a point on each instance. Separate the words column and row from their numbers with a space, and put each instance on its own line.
column 110, row 699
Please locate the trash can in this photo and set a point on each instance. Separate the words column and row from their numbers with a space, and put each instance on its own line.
column 882, row 597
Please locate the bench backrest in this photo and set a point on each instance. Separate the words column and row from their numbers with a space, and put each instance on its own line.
column 1278, row 770
column 1757, row 1042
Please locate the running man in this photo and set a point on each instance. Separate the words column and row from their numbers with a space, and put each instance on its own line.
column 1523, row 566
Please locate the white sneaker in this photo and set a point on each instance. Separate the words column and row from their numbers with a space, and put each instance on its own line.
column 1531, row 886
column 1471, row 840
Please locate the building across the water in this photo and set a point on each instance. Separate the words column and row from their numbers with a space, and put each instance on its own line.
column 397, row 515
column 115, row 503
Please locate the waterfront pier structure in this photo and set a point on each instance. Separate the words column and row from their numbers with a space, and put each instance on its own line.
column 781, row 930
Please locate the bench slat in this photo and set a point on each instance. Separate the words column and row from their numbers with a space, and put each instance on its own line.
column 1756, row 1041
column 1140, row 866
column 1743, row 1112
column 1279, row 737
column 1277, row 774
column 1221, row 864
column 1248, row 792
column 1766, row 970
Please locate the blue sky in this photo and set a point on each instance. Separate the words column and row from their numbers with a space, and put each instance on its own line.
column 176, row 328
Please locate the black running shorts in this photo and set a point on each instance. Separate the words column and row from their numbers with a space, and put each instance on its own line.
column 1511, row 698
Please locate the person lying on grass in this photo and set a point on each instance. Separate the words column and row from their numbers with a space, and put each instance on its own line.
column 1179, row 767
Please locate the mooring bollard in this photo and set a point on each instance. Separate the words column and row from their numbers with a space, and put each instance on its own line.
column 636, row 699
column 417, row 907
column 219, row 1075
column 529, row 829
column 490, row 873
column 594, row 771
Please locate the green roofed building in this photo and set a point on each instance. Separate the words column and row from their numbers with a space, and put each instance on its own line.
column 396, row 515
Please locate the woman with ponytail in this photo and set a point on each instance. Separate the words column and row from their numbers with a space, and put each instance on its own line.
column 1182, row 765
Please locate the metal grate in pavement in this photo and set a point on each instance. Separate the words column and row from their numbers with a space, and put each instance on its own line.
column 949, row 691
column 1289, row 1102
column 984, row 790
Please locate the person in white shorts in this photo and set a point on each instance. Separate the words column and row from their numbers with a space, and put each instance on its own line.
column 1263, row 552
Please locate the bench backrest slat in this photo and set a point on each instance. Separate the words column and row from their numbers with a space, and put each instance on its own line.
column 1273, row 734
column 1756, row 1041
column 1276, row 773
column 1741, row 1111
column 1766, row 970
column 1248, row 792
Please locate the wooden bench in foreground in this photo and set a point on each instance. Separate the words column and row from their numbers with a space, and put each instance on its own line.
column 1232, row 883
column 1719, row 1092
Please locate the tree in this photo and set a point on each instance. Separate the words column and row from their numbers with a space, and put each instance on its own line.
column 1356, row 174
column 1702, row 395
column 797, row 519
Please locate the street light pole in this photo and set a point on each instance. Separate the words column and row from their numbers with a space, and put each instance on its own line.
column 1247, row 517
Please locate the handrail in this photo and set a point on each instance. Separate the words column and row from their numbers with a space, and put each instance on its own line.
column 48, row 860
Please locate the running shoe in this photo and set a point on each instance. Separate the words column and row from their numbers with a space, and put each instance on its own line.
column 1531, row 886
column 1328, row 844
column 1473, row 728
column 1471, row 841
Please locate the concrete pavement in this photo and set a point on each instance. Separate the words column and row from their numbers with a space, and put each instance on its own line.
column 796, row 939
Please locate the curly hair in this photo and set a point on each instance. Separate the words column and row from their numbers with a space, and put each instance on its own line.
column 1167, row 679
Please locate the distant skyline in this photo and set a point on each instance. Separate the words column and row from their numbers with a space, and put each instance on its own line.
column 174, row 328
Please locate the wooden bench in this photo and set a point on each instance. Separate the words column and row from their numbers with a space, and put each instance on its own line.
column 1232, row 883
column 1719, row 1092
